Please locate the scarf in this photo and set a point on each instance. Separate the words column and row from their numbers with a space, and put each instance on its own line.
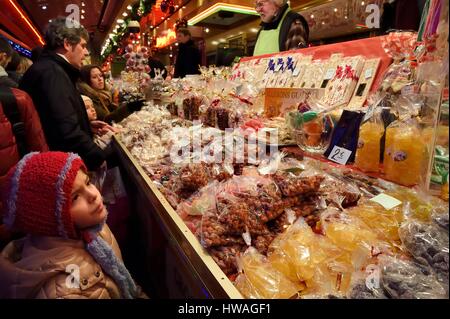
column 107, row 259
column 102, row 96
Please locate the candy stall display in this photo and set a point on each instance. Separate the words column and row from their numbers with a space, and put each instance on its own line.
column 306, row 226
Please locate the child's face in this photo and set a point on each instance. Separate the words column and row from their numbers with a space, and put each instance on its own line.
column 92, row 114
column 87, row 203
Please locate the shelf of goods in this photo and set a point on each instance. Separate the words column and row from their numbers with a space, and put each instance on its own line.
column 184, row 268
column 286, row 227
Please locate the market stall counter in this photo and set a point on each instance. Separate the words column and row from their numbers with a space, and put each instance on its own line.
column 175, row 262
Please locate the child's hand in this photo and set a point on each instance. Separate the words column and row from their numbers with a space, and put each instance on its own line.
column 99, row 127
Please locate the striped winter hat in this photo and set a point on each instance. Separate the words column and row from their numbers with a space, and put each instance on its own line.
column 37, row 194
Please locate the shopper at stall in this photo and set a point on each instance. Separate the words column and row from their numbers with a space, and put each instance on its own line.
column 51, row 82
column 93, row 85
column 103, row 132
column 189, row 58
column 49, row 197
column 6, row 54
column 36, row 53
column 21, row 132
column 13, row 66
column 281, row 28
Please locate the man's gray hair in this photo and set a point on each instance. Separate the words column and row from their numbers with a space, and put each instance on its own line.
column 61, row 29
column 280, row 3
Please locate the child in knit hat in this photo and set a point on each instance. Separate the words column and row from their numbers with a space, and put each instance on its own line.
column 103, row 132
column 69, row 251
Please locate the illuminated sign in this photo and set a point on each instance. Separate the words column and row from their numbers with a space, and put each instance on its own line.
column 167, row 39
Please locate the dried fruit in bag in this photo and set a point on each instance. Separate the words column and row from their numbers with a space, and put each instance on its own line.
column 226, row 257
column 404, row 279
column 292, row 185
column 429, row 245
column 193, row 177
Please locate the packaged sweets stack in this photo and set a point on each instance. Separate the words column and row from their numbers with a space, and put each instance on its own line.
column 404, row 160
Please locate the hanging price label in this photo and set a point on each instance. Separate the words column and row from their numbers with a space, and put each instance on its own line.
column 340, row 155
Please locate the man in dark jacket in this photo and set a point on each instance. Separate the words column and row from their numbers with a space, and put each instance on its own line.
column 51, row 82
column 189, row 58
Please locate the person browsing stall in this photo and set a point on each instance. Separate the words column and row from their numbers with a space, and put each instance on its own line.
column 189, row 58
column 93, row 85
column 281, row 28
column 51, row 83
column 50, row 198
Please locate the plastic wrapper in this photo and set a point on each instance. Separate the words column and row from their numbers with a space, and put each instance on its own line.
column 385, row 223
column 340, row 192
column 193, row 177
column 396, row 278
column 366, row 284
column 303, row 256
column 204, row 202
column 440, row 217
column 352, row 235
column 227, row 257
column 292, row 185
column 400, row 46
column 429, row 245
column 404, row 162
column 369, row 144
column 404, row 279
column 259, row 280
column 417, row 205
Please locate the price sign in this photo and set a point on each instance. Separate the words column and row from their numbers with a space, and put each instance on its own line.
column 388, row 202
column 340, row 155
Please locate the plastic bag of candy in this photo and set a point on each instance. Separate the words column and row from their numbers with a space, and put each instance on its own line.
column 429, row 245
column 303, row 256
column 405, row 279
column 260, row 280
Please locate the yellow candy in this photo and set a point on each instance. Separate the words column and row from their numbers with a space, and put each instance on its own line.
column 261, row 280
column 368, row 154
column 405, row 155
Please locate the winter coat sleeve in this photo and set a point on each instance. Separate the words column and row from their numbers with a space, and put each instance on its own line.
column 117, row 115
column 66, row 129
column 33, row 130
column 56, row 288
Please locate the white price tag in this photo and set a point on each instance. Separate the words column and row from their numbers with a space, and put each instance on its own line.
column 340, row 155
column 388, row 202
column 330, row 73
column 296, row 72
column 369, row 73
